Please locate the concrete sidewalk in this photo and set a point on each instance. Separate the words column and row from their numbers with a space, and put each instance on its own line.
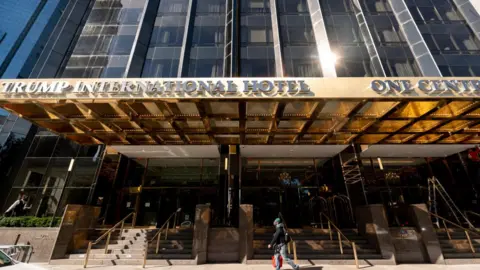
column 263, row 267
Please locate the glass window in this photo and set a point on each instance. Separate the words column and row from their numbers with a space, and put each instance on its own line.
column 428, row 14
column 42, row 146
column 461, row 71
column 211, row 6
column 32, row 172
column 292, row 6
column 258, row 35
column 173, row 172
column 66, row 148
column 400, row 68
column 445, row 42
column 445, row 71
column 173, row 6
column 257, row 4
column 109, row 31
column 73, row 196
column 83, row 173
column 135, row 173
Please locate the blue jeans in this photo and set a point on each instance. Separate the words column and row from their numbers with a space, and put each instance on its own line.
column 281, row 250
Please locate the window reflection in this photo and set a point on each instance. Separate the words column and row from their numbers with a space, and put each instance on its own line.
column 447, row 35
column 181, row 172
column 257, row 57
column 106, row 41
column 165, row 45
column 300, row 55
column 206, row 50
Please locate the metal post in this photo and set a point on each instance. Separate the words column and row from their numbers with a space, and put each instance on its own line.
column 330, row 231
column 470, row 241
column 108, row 241
column 295, row 252
column 134, row 219
column 88, row 254
column 355, row 254
column 446, row 230
column 340, row 242
column 321, row 221
column 121, row 230
column 175, row 221
column 166, row 232
column 158, row 242
column 145, row 255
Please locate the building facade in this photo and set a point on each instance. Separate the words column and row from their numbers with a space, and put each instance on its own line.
column 159, row 104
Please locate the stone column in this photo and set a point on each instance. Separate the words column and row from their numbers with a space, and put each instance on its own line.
column 74, row 229
column 423, row 222
column 200, row 233
column 245, row 229
column 372, row 223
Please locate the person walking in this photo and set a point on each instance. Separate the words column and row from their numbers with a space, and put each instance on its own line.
column 278, row 243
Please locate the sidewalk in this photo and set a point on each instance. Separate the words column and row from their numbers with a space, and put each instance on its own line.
column 264, row 267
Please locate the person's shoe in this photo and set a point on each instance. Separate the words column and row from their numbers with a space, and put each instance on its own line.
column 297, row 267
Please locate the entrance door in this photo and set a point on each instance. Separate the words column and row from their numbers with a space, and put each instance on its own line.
column 267, row 203
column 128, row 205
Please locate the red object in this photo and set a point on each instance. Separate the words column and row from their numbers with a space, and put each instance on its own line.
column 274, row 263
column 474, row 154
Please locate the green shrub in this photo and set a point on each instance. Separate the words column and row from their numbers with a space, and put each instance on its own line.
column 29, row 221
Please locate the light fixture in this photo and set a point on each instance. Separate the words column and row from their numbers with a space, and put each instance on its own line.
column 226, row 163
column 380, row 163
column 70, row 167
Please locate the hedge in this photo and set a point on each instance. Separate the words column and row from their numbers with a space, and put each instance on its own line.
column 29, row 221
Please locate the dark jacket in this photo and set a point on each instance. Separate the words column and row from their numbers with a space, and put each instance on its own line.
column 279, row 236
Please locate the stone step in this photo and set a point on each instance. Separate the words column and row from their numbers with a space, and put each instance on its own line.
column 223, row 257
column 120, row 246
column 178, row 254
column 137, row 262
column 321, row 256
column 97, row 256
column 153, row 256
column 465, row 255
column 111, row 251
column 359, row 242
column 139, row 250
column 310, row 237
column 459, row 250
column 365, row 263
column 324, row 251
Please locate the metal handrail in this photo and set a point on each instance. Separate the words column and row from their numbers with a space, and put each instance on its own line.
column 467, row 231
column 158, row 234
column 108, row 234
column 340, row 235
column 471, row 212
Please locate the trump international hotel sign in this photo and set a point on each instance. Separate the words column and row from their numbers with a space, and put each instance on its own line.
column 222, row 88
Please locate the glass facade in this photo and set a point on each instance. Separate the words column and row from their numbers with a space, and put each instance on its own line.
column 25, row 33
column 206, row 50
column 104, row 47
column 165, row 45
column 346, row 40
column 393, row 49
column 55, row 172
column 257, row 57
column 450, row 39
column 300, row 55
